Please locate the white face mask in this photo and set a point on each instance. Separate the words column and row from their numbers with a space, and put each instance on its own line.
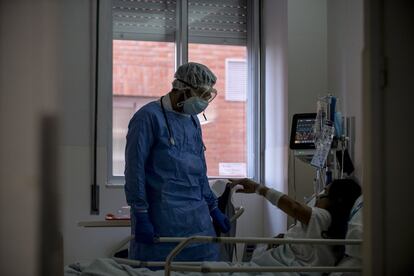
column 193, row 105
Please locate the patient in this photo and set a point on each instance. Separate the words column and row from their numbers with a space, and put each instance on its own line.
column 327, row 219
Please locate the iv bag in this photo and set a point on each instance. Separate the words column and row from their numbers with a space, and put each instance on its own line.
column 323, row 145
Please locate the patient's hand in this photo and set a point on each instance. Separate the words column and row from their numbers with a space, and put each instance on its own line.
column 274, row 245
column 248, row 186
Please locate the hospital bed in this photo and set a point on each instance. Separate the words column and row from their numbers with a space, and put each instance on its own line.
column 203, row 268
column 349, row 265
column 136, row 268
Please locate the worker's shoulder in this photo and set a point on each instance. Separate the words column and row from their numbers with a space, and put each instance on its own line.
column 147, row 114
column 148, row 110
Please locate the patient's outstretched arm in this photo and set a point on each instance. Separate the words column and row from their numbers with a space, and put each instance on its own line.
column 291, row 207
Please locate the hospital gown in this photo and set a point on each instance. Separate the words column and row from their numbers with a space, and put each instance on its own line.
column 168, row 180
column 301, row 254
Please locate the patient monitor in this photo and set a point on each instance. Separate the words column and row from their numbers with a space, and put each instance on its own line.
column 302, row 136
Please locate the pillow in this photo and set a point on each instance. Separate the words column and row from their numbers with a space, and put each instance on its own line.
column 355, row 229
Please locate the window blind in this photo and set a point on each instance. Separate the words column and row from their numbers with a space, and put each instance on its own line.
column 217, row 21
column 147, row 20
column 209, row 21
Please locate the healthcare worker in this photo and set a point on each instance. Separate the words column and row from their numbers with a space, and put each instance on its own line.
column 165, row 171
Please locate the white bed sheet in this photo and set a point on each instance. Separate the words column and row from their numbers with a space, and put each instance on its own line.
column 108, row 267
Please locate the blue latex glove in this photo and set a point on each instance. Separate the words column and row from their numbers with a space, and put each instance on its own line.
column 144, row 230
column 221, row 220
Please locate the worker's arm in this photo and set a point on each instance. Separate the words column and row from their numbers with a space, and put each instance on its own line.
column 139, row 142
column 288, row 205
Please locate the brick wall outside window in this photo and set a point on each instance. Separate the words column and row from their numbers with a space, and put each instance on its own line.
column 146, row 69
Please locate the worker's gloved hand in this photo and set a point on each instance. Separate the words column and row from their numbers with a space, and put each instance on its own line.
column 221, row 220
column 144, row 230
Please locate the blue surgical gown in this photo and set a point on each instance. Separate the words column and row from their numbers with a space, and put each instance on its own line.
column 169, row 181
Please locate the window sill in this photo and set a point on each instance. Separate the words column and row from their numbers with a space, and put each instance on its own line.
column 115, row 184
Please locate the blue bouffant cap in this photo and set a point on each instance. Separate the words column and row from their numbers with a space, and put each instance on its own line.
column 193, row 74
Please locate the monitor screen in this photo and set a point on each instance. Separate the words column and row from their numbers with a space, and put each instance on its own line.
column 302, row 136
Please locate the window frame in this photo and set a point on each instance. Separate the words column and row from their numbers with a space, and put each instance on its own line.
column 254, row 103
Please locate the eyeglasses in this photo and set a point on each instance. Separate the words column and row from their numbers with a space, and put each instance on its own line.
column 206, row 92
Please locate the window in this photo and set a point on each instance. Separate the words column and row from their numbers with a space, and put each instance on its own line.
column 236, row 80
column 149, row 39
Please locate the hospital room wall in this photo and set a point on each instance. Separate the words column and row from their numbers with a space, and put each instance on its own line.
column 345, row 46
column 388, row 131
column 29, row 66
column 307, row 78
column 82, row 244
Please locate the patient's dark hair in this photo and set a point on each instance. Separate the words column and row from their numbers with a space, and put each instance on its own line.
column 342, row 195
